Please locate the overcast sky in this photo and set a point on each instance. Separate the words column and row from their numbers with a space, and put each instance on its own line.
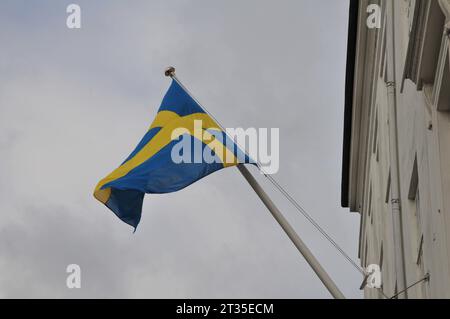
column 74, row 103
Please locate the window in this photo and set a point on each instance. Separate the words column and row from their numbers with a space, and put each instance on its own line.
column 375, row 132
column 420, row 260
column 378, row 153
column 369, row 206
column 421, row 265
column 418, row 218
column 381, row 257
column 388, row 188
column 411, row 7
column 427, row 24
column 365, row 254
column 380, row 263
column 383, row 55
column 375, row 143
column 420, row 254
column 414, row 195
column 441, row 89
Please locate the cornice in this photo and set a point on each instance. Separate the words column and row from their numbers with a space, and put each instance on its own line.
column 445, row 6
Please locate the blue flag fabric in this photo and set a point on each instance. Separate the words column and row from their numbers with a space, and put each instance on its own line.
column 182, row 145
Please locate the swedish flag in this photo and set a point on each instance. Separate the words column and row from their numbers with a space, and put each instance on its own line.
column 152, row 168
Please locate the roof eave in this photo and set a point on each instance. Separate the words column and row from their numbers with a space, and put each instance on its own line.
column 348, row 112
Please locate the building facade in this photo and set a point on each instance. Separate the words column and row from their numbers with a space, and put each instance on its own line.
column 396, row 160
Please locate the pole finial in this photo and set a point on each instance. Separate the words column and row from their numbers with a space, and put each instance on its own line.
column 170, row 71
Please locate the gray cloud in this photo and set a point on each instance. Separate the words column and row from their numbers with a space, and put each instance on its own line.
column 73, row 103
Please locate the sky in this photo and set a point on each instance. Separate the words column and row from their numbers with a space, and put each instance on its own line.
column 75, row 102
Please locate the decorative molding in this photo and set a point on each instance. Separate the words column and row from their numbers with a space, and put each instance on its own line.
column 424, row 41
column 441, row 88
column 415, row 44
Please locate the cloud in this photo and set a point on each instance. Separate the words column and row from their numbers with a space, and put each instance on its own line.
column 74, row 102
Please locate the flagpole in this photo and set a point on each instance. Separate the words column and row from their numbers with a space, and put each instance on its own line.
column 302, row 248
column 282, row 221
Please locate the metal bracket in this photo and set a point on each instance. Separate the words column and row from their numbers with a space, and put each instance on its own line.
column 390, row 84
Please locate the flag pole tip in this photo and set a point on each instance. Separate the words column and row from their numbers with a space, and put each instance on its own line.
column 170, row 71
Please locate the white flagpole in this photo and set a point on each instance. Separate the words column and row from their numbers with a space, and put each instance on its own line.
column 302, row 248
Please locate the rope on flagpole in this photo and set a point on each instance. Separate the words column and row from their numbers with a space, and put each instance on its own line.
column 170, row 72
